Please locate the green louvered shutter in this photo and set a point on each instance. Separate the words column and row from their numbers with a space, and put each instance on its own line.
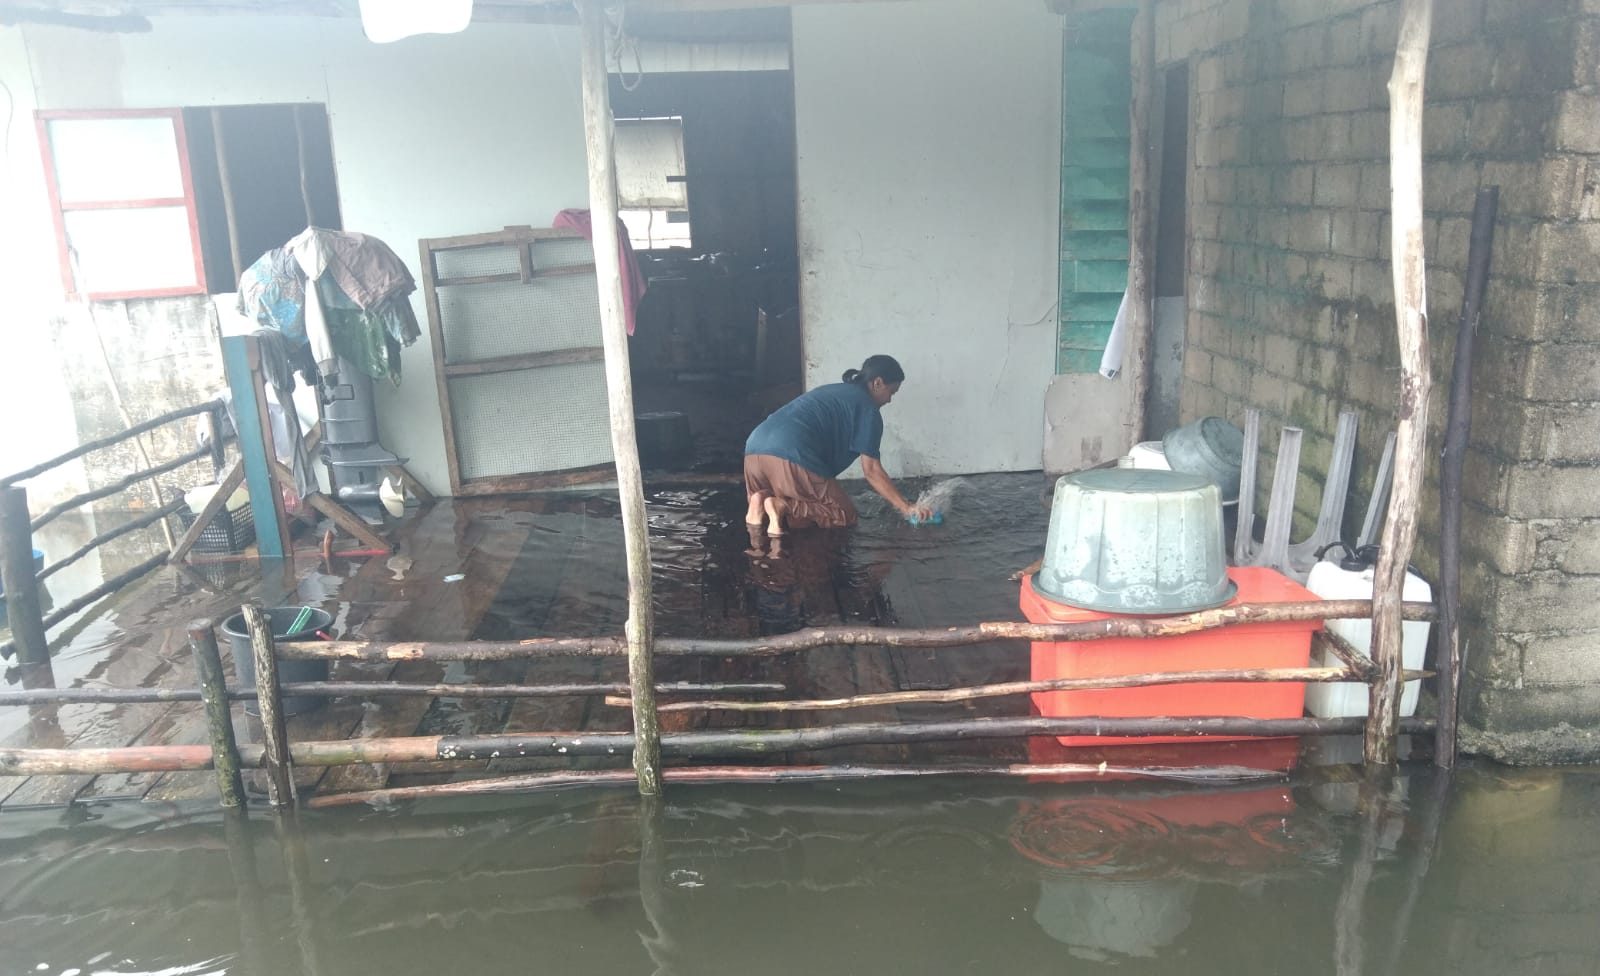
column 1096, row 88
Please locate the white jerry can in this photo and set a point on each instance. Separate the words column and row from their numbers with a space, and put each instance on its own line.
column 1351, row 579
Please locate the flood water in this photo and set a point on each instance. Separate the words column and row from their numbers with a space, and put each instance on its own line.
column 1495, row 875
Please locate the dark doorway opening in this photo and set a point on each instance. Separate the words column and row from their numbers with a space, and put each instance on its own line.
column 706, row 171
column 279, row 174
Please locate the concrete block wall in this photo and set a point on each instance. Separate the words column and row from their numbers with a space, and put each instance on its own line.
column 1291, row 302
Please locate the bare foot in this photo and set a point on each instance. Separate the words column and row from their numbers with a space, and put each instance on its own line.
column 758, row 537
column 757, row 510
column 776, row 509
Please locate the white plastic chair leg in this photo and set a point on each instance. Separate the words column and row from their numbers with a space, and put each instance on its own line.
column 1330, row 519
column 1373, row 523
column 1244, row 543
column 1280, row 505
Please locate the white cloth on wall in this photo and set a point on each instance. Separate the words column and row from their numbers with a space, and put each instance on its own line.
column 1116, row 343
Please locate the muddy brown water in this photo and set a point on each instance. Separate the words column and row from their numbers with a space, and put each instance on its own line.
column 1496, row 874
column 1496, row 871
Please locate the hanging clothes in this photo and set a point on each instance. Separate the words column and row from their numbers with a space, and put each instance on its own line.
column 633, row 280
column 360, row 306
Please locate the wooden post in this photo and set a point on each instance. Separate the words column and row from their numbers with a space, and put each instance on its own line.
column 274, row 736
column 1411, row 314
column 241, row 361
column 219, row 721
column 1457, row 432
column 23, row 611
column 221, row 143
column 1141, row 222
column 597, row 124
column 300, row 154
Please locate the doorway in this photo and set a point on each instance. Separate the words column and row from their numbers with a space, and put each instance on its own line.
column 706, row 177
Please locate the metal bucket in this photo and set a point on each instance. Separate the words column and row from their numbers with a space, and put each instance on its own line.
column 1210, row 447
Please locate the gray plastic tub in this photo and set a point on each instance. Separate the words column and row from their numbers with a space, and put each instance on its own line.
column 1210, row 447
column 1133, row 541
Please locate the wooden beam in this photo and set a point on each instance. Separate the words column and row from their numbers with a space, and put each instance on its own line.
column 274, row 734
column 219, row 720
column 532, row 360
column 1406, row 99
column 597, row 125
column 108, row 440
column 1141, row 217
column 208, row 513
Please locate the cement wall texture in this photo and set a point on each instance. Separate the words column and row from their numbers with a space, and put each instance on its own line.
column 1291, row 301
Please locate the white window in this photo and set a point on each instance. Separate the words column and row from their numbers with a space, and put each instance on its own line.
column 652, row 192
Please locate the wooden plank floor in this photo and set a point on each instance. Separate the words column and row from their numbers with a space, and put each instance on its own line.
column 554, row 565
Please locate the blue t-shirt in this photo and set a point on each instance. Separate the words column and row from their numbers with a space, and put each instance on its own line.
column 823, row 431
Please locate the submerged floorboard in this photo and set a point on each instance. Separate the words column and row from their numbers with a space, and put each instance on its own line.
column 503, row 568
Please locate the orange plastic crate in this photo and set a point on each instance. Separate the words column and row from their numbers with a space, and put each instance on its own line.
column 1262, row 645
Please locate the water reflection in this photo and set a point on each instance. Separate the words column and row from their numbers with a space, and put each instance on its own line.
column 872, row 877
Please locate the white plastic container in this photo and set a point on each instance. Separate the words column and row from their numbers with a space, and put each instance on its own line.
column 1149, row 456
column 1331, row 581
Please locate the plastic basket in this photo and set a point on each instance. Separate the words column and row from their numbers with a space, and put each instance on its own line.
column 230, row 531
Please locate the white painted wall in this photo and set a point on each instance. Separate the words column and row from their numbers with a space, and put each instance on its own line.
column 432, row 136
column 929, row 170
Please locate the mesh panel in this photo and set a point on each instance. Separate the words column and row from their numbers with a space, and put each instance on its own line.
column 562, row 253
column 511, row 318
column 469, row 262
column 549, row 419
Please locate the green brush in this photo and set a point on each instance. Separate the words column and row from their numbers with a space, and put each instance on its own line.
column 300, row 620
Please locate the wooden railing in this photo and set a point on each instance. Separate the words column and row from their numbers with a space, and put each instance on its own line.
column 24, row 608
column 278, row 756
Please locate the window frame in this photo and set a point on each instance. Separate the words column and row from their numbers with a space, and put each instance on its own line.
column 59, row 208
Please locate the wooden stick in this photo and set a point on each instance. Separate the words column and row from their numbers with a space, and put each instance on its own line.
column 1411, row 309
column 275, row 737
column 345, row 689
column 105, row 589
column 219, row 140
column 1348, row 654
column 817, row 637
column 597, row 124
column 219, row 722
column 23, row 612
column 118, row 485
column 300, row 154
column 106, row 537
column 707, row 775
column 710, row 744
column 1141, row 209
column 347, row 520
column 944, row 695
column 1457, row 432
column 107, row 441
column 209, row 511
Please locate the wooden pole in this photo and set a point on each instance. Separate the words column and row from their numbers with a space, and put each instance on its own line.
column 818, row 637
column 221, row 143
column 219, row 721
column 597, row 124
column 251, row 905
column 209, row 512
column 105, row 537
column 127, row 481
column 305, row 169
column 703, row 745
column 1457, row 433
column 377, row 689
column 23, row 611
column 703, row 775
column 1141, row 216
column 1411, row 313
column 98, row 443
column 1004, row 689
column 274, row 735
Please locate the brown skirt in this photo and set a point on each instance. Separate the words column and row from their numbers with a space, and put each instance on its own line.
column 812, row 500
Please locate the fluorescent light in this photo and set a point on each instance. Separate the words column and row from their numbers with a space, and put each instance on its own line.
column 390, row 20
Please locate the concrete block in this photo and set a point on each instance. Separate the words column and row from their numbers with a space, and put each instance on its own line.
column 1484, row 478
column 1458, row 71
column 1303, row 96
column 1197, row 365
column 1580, row 552
column 1508, row 546
column 1380, row 30
column 1309, row 231
column 1570, row 432
column 1562, row 659
column 1230, row 377
column 1577, row 125
column 1337, row 185
column 1569, row 252
column 1444, row 128
column 1509, row 126
column 1548, row 492
column 1281, row 355
column 1549, row 601
column 1566, row 372
column 1567, row 188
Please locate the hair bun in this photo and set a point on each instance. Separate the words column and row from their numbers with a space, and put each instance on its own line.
column 851, row 375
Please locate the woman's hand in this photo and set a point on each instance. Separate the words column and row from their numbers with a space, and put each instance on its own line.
column 917, row 513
